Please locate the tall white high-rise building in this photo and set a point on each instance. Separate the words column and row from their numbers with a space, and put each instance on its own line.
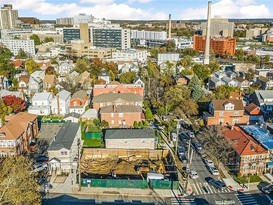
column 8, row 17
column 149, row 35
column 82, row 18
column 14, row 45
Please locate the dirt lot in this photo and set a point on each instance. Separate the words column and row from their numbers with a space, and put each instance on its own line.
column 120, row 166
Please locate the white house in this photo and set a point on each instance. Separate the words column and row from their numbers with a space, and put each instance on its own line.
column 35, row 84
column 65, row 68
column 60, row 103
column 104, row 76
column 41, row 103
column 63, row 151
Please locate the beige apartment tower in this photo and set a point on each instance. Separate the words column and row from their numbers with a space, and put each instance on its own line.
column 84, row 33
column 219, row 27
column 8, row 17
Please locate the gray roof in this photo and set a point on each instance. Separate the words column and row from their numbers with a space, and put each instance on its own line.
column 64, row 94
column 110, row 97
column 42, row 96
column 263, row 95
column 214, row 79
column 90, row 113
column 120, row 109
column 226, row 79
column 81, row 94
column 129, row 133
column 65, row 136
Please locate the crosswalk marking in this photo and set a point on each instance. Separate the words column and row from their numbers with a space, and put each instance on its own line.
column 182, row 201
column 246, row 199
column 199, row 189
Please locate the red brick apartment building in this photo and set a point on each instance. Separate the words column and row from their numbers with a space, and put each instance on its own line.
column 226, row 112
column 17, row 134
column 250, row 156
column 121, row 115
column 219, row 46
column 118, row 88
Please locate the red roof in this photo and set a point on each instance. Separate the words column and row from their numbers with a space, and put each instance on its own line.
column 242, row 143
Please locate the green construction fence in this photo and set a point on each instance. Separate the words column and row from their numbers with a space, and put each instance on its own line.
column 162, row 184
column 93, row 135
column 115, row 183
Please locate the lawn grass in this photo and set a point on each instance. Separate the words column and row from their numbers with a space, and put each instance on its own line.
column 92, row 142
column 244, row 179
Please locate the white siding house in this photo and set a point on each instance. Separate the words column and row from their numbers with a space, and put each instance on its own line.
column 41, row 103
column 60, row 103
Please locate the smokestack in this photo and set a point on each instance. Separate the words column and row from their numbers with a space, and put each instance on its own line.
column 206, row 58
column 170, row 26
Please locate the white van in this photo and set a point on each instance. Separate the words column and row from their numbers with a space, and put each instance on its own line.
column 156, row 176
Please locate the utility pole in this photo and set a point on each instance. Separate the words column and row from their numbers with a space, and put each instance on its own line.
column 177, row 138
column 79, row 163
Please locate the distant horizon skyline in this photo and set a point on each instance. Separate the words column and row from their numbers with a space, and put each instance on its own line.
column 143, row 9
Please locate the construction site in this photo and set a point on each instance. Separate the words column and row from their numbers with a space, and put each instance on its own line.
column 129, row 165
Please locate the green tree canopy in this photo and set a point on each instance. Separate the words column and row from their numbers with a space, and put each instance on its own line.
column 82, row 64
column 197, row 91
column 202, row 71
column 48, row 39
column 36, row 39
column 128, row 77
column 31, row 66
column 148, row 114
column 6, row 68
column 17, row 185
column 21, row 54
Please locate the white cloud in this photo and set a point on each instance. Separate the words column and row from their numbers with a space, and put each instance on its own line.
column 98, row 8
column 97, row 1
column 140, row 1
column 230, row 9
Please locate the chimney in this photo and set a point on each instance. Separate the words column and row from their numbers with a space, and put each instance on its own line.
column 170, row 26
column 58, row 104
column 206, row 57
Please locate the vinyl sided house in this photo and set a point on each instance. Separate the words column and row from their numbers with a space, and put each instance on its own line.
column 60, row 103
column 226, row 112
column 78, row 102
column 17, row 134
column 264, row 99
column 63, row 151
column 121, row 115
column 111, row 99
column 41, row 104
column 250, row 156
column 130, row 139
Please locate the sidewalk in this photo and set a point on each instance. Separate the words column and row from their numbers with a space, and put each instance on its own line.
column 67, row 188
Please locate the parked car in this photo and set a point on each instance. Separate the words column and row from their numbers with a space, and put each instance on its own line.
column 193, row 174
column 217, row 184
column 198, row 147
column 213, row 170
column 191, row 134
column 43, row 159
column 268, row 189
column 40, row 165
column 183, row 158
column 209, row 162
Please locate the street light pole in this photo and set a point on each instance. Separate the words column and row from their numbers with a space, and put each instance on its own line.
column 177, row 138
column 79, row 163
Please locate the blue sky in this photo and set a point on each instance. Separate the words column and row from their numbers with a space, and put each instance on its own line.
column 143, row 9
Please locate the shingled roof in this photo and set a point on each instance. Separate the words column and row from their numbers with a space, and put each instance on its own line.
column 65, row 136
column 129, row 134
column 110, row 97
column 220, row 104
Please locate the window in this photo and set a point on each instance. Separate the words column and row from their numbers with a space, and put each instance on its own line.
column 119, row 122
column 253, row 167
column 246, row 159
column 120, row 114
column 63, row 152
column 112, row 122
column 236, row 113
column 221, row 113
column 253, row 158
column 112, row 114
column 11, row 153
column 245, row 168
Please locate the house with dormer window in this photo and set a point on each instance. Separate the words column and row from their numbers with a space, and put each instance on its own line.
column 226, row 112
